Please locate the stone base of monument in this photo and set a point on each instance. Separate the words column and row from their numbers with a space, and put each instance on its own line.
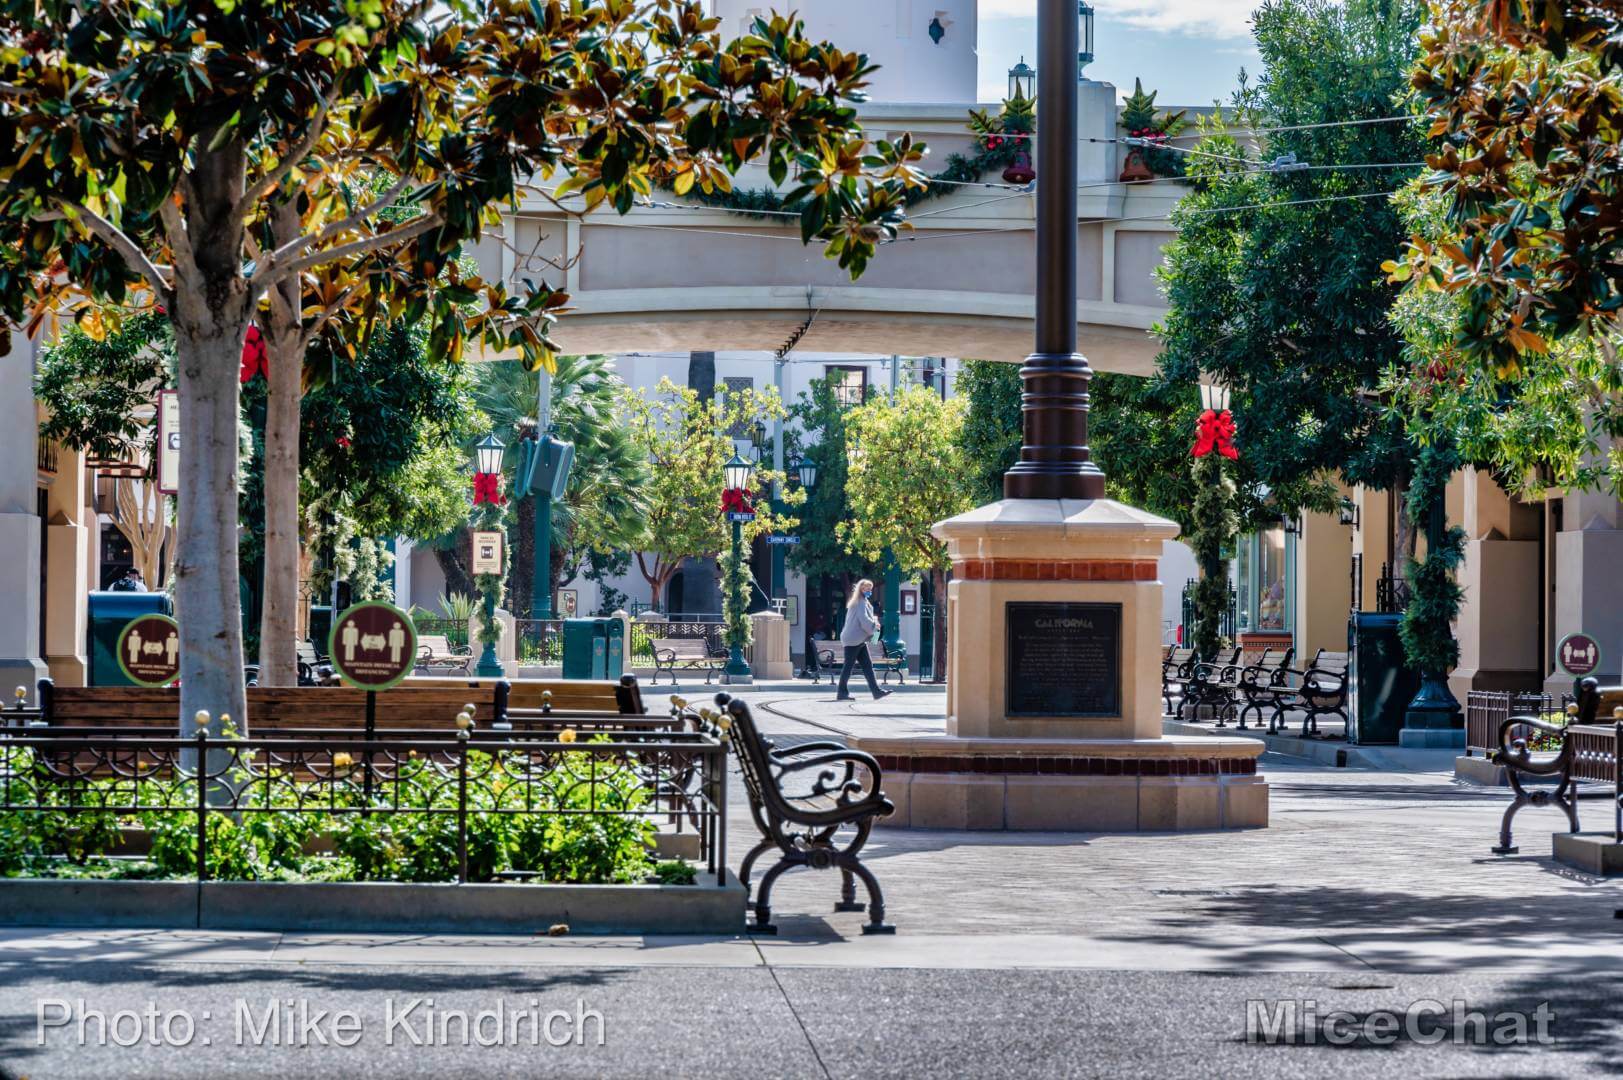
column 1082, row 785
column 1054, row 687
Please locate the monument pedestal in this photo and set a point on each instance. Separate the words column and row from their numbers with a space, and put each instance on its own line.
column 1054, row 687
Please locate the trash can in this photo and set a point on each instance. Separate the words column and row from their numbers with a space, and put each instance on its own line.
column 614, row 664
column 586, row 648
column 1380, row 684
column 110, row 612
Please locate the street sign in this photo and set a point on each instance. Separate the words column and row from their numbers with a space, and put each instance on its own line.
column 790, row 540
column 373, row 645
column 740, row 515
column 149, row 650
column 487, row 552
column 1578, row 655
column 168, row 442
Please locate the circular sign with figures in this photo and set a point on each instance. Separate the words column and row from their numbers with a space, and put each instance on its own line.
column 149, row 650
column 373, row 645
column 1578, row 655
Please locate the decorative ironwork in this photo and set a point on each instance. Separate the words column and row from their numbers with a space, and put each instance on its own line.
column 47, row 456
column 1226, row 621
column 1391, row 592
column 428, row 780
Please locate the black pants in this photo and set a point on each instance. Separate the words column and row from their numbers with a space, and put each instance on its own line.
column 855, row 654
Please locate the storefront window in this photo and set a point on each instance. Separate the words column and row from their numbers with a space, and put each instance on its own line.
column 1262, row 582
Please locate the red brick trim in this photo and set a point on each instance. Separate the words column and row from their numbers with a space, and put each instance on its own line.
column 1071, row 766
column 1051, row 570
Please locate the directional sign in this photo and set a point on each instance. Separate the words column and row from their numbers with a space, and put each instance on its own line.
column 373, row 645
column 1578, row 655
column 149, row 650
column 790, row 540
column 740, row 515
column 168, row 442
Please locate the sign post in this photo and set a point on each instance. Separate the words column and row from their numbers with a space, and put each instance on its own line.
column 373, row 646
column 149, row 650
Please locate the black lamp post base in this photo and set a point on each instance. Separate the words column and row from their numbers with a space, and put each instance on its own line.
column 1054, row 460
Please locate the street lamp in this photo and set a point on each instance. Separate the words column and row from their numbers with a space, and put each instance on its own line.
column 488, row 454
column 807, row 468
column 487, row 500
column 1349, row 512
column 543, row 471
column 1022, row 81
column 758, row 440
column 1214, row 397
column 1055, row 462
column 736, row 474
column 1084, row 55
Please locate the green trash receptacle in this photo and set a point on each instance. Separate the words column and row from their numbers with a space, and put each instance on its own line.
column 586, row 648
column 1380, row 684
column 614, row 664
column 110, row 613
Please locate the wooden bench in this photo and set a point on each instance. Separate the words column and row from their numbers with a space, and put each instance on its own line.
column 1322, row 691
column 690, row 653
column 889, row 662
column 821, row 662
column 1263, row 684
column 800, row 798
column 1175, row 670
column 1588, row 747
column 435, row 652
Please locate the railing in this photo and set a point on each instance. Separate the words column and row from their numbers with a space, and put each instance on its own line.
column 1485, row 710
column 1391, row 592
column 641, row 649
column 454, row 630
column 540, row 641
column 476, row 808
column 1226, row 621
column 47, row 461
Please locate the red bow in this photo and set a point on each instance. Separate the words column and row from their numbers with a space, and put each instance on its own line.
column 1215, row 431
column 736, row 501
column 253, row 355
column 487, row 488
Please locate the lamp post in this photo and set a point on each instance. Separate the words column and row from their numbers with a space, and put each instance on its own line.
column 543, row 471
column 806, row 469
column 736, row 475
column 487, row 494
column 1054, row 459
column 1022, row 81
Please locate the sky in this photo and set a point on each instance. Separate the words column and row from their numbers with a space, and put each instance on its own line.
column 1189, row 51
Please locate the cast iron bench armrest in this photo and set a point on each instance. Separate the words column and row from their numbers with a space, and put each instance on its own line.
column 1337, row 679
column 1515, row 754
column 805, row 747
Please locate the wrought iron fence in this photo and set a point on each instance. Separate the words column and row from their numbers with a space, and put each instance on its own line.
column 455, row 631
column 644, row 634
column 1486, row 710
column 540, row 641
column 1226, row 621
column 466, row 794
column 1391, row 592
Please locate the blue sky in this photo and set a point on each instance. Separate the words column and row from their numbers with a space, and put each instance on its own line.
column 1188, row 50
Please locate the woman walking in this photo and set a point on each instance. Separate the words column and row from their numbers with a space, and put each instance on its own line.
column 860, row 625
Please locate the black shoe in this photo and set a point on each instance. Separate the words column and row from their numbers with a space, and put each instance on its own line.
column 883, row 694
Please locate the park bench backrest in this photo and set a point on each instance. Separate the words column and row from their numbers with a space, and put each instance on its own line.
column 435, row 645
column 1179, row 657
column 305, row 652
column 563, row 695
column 1331, row 663
column 685, row 648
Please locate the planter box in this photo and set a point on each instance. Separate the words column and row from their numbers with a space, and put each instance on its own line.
column 376, row 907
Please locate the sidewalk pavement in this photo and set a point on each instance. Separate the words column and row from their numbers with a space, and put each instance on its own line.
column 1016, row 953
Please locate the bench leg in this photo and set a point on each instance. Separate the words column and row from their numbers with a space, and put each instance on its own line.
column 763, row 899
column 848, row 893
column 1563, row 796
column 876, row 923
column 746, row 867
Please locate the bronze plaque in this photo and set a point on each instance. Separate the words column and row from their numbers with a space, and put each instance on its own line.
column 1064, row 660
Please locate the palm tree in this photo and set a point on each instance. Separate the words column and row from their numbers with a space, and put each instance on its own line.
column 603, row 504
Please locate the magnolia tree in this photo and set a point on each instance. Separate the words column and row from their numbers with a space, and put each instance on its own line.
column 908, row 471
column 684, row 439
column 217, row 159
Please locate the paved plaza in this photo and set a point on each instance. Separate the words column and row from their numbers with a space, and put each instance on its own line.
column 1037, row 953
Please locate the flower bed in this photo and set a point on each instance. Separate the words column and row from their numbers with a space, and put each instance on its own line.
column 417, row 809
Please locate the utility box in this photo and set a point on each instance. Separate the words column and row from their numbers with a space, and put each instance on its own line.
column 110, row 613
column 1380, row 684
column 586, row 648
column 615, row 659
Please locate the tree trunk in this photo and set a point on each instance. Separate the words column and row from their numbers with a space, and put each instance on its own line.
column 457, row 578
column 207, row 601
column 278, row 625
column 938, row 655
